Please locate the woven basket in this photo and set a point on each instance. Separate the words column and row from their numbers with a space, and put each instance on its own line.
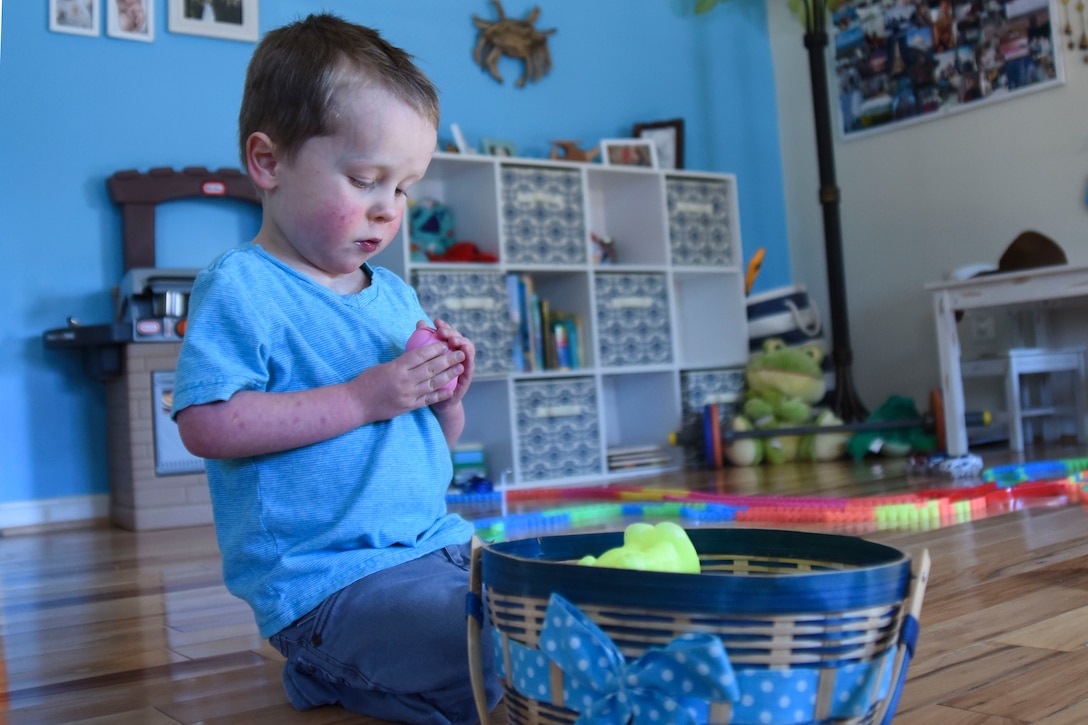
column 816, row 628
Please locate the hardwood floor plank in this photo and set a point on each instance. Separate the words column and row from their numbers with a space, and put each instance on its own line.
column 941, row 715
column 1076, row 714
column 89, row 693
column 211, row 644
column 938, row 680
column 1065, row 632
column 231, row 694
column 143, row 716
column 1033, row 692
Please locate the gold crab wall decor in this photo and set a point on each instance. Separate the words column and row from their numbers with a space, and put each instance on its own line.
column 516, row 39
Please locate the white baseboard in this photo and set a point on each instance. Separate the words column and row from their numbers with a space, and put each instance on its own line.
column 47, row 511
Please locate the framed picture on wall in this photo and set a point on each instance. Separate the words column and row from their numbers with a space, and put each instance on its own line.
column 79, row 17
column 905, row 63
column 230, row 19
column 131, row 19
column 628, row 152
column 668, row 140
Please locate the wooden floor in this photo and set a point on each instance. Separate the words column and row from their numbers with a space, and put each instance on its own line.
column 99, row 625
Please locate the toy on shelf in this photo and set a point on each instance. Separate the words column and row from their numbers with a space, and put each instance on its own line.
column 571, row 151
column 604, row 249
column 754, row 267
column 431, row 227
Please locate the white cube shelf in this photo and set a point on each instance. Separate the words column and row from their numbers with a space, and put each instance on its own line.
column 626, row 338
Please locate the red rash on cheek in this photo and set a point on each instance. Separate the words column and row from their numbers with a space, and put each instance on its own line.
column 331, row 221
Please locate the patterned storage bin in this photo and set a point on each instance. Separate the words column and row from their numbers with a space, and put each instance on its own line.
column 543, row 215
column 699, row 388
column 699, row 222
column 476, row 304
column 558, row 432
column 633, row 319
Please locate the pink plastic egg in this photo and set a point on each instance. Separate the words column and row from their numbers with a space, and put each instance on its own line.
column 425, row 336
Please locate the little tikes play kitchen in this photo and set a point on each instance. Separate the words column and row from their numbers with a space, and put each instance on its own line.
column 154, row 481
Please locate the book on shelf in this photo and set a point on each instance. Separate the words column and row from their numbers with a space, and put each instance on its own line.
column 515, row 302
column 545, row 338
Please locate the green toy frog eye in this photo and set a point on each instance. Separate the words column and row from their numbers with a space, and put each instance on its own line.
column 815, row 353
column 773, row 345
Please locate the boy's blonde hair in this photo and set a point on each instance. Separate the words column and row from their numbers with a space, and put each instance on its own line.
column 297, row 71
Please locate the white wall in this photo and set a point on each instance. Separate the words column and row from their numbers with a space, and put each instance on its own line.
column 922, row 200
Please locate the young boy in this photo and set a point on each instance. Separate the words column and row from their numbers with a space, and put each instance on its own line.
column 327, row 444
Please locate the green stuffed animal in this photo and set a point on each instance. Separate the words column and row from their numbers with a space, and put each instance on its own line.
column 783, row 385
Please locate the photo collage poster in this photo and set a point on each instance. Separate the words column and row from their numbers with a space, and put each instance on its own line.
column 900, row 62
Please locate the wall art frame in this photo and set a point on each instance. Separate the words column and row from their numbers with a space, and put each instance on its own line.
column 628, row 152
column 498, row 147
column 668, row 139
column 77, row 17
column 901, row 64
column 131, row 19
column 228, row 19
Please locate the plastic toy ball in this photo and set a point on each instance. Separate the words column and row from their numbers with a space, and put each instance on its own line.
column 425, row 336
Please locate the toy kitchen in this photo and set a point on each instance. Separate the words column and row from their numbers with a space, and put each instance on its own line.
column 155, row 483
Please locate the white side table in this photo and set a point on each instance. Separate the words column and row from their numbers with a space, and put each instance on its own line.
column 1021, row 406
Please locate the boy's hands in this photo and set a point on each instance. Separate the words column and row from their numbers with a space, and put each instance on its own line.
column 456, row 343
column 253, row 423
column 415, row 379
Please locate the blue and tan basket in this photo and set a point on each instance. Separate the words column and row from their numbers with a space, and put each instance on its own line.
column 781, row 627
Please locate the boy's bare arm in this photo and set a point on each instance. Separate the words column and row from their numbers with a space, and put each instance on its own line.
column 253, row 423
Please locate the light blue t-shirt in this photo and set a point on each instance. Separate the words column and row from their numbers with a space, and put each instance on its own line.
column 297, row 526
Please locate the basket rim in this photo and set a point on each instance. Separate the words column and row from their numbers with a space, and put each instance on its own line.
column 538, row 567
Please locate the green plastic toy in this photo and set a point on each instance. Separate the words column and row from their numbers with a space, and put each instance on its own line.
column 664, row 547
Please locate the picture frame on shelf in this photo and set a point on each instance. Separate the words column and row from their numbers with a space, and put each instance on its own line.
column 628, row 152
column 668, row 139
column 131, row 19
column 498, row 147
column 77, row 17
column 227, row 19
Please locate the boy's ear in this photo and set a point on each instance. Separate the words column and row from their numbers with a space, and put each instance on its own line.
column 261, row 160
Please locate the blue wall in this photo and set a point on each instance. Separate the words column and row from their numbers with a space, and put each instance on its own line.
column 75, row 109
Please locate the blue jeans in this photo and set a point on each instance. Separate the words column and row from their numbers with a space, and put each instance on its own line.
column 393, row 645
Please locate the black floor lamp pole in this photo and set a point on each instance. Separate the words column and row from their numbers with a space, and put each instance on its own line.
column 845, row 402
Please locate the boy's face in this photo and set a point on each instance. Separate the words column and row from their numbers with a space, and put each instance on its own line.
column 341, row 199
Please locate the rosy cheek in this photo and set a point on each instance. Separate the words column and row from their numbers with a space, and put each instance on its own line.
column 394, row 225
column 331, row 221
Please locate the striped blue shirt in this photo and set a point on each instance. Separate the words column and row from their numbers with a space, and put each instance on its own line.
column 296, row 526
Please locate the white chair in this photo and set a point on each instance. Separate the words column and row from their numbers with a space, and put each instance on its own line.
column 1024, row 407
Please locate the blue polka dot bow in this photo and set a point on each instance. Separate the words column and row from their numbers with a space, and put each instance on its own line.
column 607, row 690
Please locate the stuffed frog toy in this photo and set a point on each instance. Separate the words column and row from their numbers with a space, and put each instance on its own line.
column 783, row 385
